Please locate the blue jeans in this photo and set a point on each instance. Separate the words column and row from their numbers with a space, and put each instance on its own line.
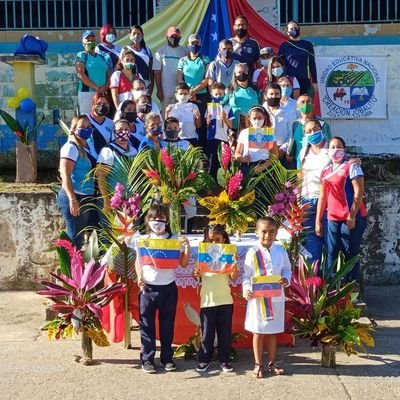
column 76, row 225
column 340, row 238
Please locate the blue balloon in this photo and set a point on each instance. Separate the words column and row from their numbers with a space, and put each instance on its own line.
column 27, row 105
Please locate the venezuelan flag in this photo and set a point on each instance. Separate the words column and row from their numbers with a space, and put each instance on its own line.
column 160, row 253
column 266, row 286
column 217, row 258
column 262, row 138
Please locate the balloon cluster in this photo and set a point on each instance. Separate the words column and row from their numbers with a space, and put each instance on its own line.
column 21, row 100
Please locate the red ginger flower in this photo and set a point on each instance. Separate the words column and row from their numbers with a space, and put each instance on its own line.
column 153, row 175
column 226, row 156
column 314, row 281
column 167, row 160
column 191, row 175
column 234, row 185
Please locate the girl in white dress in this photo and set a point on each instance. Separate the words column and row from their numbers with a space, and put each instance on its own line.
column 266, row 258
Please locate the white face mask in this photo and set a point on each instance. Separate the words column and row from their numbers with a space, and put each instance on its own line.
column 110, row 37
column 257, row 123
column 157, row 227
column 137, row 93
column 278, row 71
column 182, row 98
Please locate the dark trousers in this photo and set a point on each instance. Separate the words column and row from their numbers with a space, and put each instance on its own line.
column 212, row 155
column 218, row 318
column 161, row 298
column 201, row 101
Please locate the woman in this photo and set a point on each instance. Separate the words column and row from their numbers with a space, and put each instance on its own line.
column 287, row 102
column 276, row 70
column 143, row 55
column 119, row 148
column 154, row 132
column 103, row 126
column 77, row 193
column 108, row 36
column 242, row 95
column 299, row 59
column 341, row 194
column 121, row 83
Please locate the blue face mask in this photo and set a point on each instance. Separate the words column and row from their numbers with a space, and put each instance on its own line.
column 84, row 133
column 217, row 99
column 287, row 91
column 264, row 62
column 315, row 138
column 156, row 131
column 194, row 48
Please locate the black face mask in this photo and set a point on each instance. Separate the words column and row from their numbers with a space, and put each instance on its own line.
column 171, row 134
column 242, row 77
column 241, row 33
column 143, row 108
column 273, row 101
column 102, row 109
column 129, row 116
column 174, row 41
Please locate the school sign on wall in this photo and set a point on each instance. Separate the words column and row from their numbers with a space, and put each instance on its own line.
column 352, row 87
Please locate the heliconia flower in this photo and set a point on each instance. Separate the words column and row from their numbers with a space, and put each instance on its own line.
column 167, row 160
column 152, row 174
column 191, row 175
column 226, row 156
column 234, row 185
column 314, row 281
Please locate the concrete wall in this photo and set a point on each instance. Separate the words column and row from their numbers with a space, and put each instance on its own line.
column 30, row 222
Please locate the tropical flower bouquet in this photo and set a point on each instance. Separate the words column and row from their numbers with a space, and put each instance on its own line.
column 233, row 206
column 77, row 298
column 177, row 177
column 323, row 312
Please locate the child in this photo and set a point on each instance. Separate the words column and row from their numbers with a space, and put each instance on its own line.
column 266, row 258
column 158, row 292
column 171, row 135
column 217, row 126
column 216, row 308
column 187, row 113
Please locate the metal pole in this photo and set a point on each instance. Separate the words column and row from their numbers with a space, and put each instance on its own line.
column 295, row 10
column 104, row 12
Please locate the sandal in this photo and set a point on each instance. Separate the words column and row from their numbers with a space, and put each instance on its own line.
column 274, row 369
column 258, row 371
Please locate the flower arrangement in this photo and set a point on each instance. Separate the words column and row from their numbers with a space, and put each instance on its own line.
column 233, row 206
column 77, row 300
column 322, row 311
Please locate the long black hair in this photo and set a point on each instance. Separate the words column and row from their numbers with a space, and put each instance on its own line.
column 217, row 228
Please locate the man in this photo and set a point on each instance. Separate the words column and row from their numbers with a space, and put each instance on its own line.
column 221, row 69
column 92, row 71
column 165, row 65
column 245, row 49
column 282, row 121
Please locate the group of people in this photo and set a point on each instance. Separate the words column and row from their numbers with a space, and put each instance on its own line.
column 201, row 102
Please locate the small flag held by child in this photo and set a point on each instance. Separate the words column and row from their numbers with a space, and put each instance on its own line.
column 261, row 138
column 217, row 258
column 266, row 286
column 214, row 110
column 160, row 253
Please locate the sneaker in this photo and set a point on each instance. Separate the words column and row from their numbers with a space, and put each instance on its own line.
column 169, row 366
column 148, row 367
column 226, row 367
column 202, row 367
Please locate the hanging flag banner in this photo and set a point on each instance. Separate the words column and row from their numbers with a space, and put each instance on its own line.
column 352, row 87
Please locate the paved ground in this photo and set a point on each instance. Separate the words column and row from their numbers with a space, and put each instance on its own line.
column 32, row 367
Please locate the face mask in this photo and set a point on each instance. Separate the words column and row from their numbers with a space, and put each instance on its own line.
column 136, row 38
column 110, row 38
column 89, row 46
column 101, row 109
column 130, row 66
column 286, row 91
column 182, row 98
column 273, row 101
column 123, row 135
column 143, row 108
column 264, row 63
column 84, row 133
column 226, row 53
column 241, row 33
column 242, row 77
column 217, row 99
column 171, row 134
column 277, row 71
column 257, row 123
column 130, row 116
column 294, row 32
column 306, row 108
column 174, row 41
column 137, row 93
column 156, row 131
column 315, row 138
column 194, row 48
column 336, row 155
column 157, row 227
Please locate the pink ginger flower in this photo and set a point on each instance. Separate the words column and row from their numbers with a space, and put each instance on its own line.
column 191, row 175
column 73, row 252
column 234, row 185
column 226, row 156
column 153, row 176
column 314, row 281
column 167, row 160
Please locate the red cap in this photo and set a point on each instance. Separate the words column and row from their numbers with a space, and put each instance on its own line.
column 173, row 30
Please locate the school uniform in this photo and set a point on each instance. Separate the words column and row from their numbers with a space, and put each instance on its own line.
column 102, row 134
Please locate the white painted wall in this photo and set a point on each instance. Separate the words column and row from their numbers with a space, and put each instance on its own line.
column 372, row 136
